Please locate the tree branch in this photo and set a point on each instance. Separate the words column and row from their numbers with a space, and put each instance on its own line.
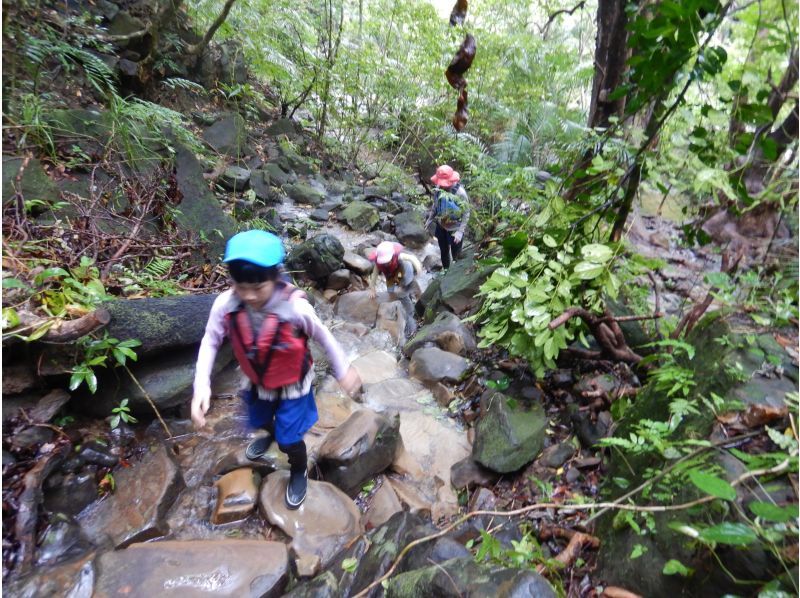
column 197, row 49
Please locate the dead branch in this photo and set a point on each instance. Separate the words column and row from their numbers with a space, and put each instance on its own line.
column 70, row 330
column 615, row 592
column 688, row 321
column 28, row 513
column 577, row 541
column 606, row 330
column 552, row 17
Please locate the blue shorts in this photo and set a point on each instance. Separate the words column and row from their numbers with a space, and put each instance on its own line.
column 293, row 417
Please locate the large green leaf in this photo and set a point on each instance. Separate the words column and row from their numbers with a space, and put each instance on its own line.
column 711, row 484
column 772, row 512
column 735, row 534
column 588, row 270
column 597, row 253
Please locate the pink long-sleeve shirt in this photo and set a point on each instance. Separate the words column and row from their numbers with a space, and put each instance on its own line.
column 297, row 312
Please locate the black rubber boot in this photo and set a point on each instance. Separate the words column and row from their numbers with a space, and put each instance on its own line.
column 258, row 447
column 297, row 486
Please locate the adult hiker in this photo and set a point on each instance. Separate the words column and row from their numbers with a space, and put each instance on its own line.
column 450, row 211
column 400, row 269
column 269, row 322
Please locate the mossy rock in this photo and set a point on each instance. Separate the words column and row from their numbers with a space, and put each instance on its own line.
column 360, row 216
column 34, row 183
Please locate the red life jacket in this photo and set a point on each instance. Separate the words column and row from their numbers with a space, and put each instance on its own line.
column 391, row 268
column 278, row 355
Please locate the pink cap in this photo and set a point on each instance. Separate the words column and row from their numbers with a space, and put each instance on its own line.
column 445, row 176
column 385, row 252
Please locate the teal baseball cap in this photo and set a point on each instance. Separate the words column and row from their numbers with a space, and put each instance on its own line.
column 255, row 246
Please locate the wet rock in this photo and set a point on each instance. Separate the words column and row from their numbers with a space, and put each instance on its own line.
column 125, row 24
column 283, row 126
column 587, row 431
column 358, row 449
column 376, row 553
column 360, row 216
column 276, row 176
column 442, row 394
column 339, row 279
column 392, row 317
column 20, row 377
column 8, row 459
column 72, row 495
column 200, row 209
column 508, row 435
column 376, row 366
column 431, row 364
column 325, row 522
column 319, row 215
column 482, row 500
column 60, row 541
column 259, row 183
column 303, row 193
column 31, row 437
column 383, row 506
column 235, row 178
column 236, row 496
column 409, row 230
column 34, row 183
column 136, row 510
column 318, row 257
column 464, row 577
column 440, row 331
column 357, row 264
column 291, row 160
column 396, row 394
column 457, row 290
column 432, row 262
column 359, row 307
column 573, row 475
column 556, row 455
column 324, row 585
column 74, row 579
column 229, row 135
column 97, row 453
column 467, row 472
column 215, row 567
column 47, row 407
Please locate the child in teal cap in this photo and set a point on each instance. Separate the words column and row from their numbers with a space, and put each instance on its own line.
column 269, row 322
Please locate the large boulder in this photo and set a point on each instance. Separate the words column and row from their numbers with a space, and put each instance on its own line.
column 376, row 366
column 229, row 135
column 200, row 212
column 326, row 522
column 464, row 577
column 431, row 364
column 456, row 291
column 318, row 257
column 441, row 332
column 360, row 216
column 358, row 449
column 218, row 567
column 276, row 176
column 410, row 230
column 34, row 182
column 235, row 178
column 358, row 306
column 509, row 434
column 160, row 323
column 135, row 512
column 303, row 193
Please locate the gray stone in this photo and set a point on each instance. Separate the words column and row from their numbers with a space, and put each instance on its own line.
column 318, row 257
column 376, row 366
column 235, row 178
column 467, row 472
column 359, row 307
column 282, row 126
column 74, row 579
column 436, row 332
column 200, row 210
column 392, row 317
column 431, row 364
column 360, row 216
column 228, row 135
column 304, row 193
column 276, row 176
column 292, row 160
column 196, row 568
column 128, row 68
column 319, row 215
column 48, row 405
column 339, row 279
column 326, row 522
column 259, row 183
column 34, row 183
column 410, row 231
column 357, row 264
column 556, row 455
column 361, row 447
column 464, row 577
column 60, row 541
column 456, row 291
column 508, row 435
column 135, row 511
column 383, row 505
column 124, row 24
column 75, row 492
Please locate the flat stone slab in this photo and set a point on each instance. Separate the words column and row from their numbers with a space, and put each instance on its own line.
column 135, row 512
column 195, row 569
column 397, row 394
column 236, row 496
column 324, row 523
column 376, row 366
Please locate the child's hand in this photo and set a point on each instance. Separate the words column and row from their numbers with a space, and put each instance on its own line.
column 351, row 382
column 372, row 293
column 200, row 404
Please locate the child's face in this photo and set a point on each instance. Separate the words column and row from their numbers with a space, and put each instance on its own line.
column 254, row 295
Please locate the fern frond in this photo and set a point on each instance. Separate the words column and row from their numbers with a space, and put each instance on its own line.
column 179, row 83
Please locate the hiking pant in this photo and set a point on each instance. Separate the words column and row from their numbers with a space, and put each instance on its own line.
column 403, row 295
column 447, row 244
